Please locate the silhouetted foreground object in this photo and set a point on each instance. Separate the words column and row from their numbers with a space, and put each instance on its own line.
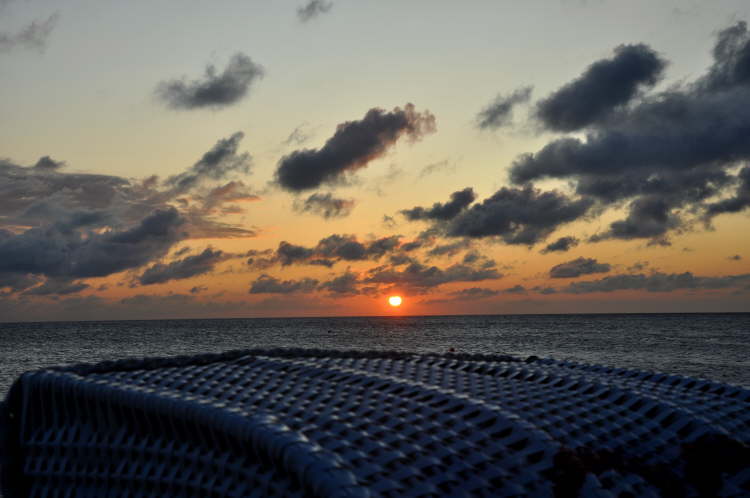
column 356, row 424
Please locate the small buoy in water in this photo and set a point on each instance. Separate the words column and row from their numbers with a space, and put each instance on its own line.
column 451, row 350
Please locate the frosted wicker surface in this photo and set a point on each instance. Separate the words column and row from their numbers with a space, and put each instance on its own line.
column 356, row 424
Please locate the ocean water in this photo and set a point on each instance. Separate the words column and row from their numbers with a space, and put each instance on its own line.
column 714, row 346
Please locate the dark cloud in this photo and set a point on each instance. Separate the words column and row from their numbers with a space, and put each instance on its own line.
column 500, row 112
column 544, row 290
column 198, row 289
column 736, row 257
column 47, row 163
column 15, row 282
column 346, row 284
column 517, row 215
column 62, row 250
column 731, row 54
column 578, row 267
column 188, row 267
column 222, row 160
column 43, row 195
column 289, row 254
column 82, row 226
column 334, row 248
column 656, row 282
column 604, row 86
column 213, row 90
column 261, row 260
column 382, row 246
column 459, row 201
column 563, row 244
column 516, row 289
column 57, row 287
column 475, row 293
column 738, row 202
column 325, row 205
column 399, row 259
column 345, row 247
column 34, row 36
column 417, row 275
column 312, row 9
column 450, row 249
column 352, row 147
column 266, row 284
column 672, row 155
column 648, row 217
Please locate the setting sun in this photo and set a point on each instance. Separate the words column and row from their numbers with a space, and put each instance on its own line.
column 394, row 301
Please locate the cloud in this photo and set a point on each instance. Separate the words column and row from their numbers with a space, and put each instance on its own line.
column 221, row 160
column 451, row 249
column 673, row 155
column 739, row 202
column 61, row 250
column 578, row 267
column 604, row 86
column 213, row 90
column 656, row 282
column 436, row 167
column 459, row 201
column 57, row 287
column 325, row 205
column 15, row 282
column 648, row 217
column 517, row 215
column 352, row 147
column 544, row 290
column 298, row 136
column 419, row 276
column 266, row 284
column 499, row 113
column 42, row 194
column 345, row 247
column 312, row 9
column 563, row 244
column 188, row 267
column 346, row 284
column 334, row 248
column 731, row 54
column 49, row 164
column 736, row 257
column 475, row 293
column 34, row 36
column 76, row 225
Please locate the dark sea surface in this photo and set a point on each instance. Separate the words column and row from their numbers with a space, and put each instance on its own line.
column 714, row 346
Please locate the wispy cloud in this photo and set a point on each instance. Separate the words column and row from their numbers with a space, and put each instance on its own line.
column 32, row 37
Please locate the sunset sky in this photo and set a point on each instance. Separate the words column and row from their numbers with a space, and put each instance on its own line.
column 296, row 158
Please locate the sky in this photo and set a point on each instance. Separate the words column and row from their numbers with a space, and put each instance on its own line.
column 185, row 159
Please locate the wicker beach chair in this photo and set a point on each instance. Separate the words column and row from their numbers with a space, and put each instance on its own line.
column 358, row 424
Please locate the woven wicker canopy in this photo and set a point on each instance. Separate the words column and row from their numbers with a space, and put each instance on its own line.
column 357, row 424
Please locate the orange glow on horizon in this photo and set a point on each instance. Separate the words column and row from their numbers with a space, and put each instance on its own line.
column 395, row 301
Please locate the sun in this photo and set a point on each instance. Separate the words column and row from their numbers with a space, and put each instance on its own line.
column 395, row 301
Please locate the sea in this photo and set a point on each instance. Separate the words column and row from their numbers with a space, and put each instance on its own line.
column 714, row 346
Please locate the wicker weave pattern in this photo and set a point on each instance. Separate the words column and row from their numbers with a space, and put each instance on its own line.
column 351, row 424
